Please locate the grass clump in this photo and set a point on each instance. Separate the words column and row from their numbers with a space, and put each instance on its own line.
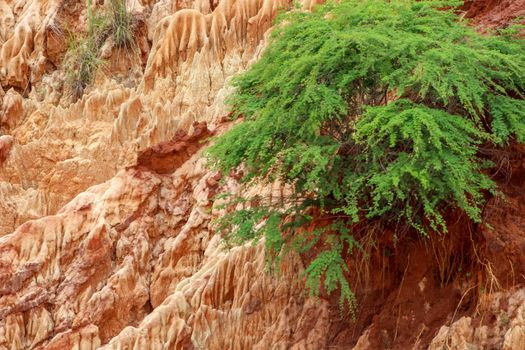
column 85, row 56
column 121, row 24
column 83, row 53
column 369, row 110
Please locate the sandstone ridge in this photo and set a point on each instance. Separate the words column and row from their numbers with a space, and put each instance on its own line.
column 106, row 222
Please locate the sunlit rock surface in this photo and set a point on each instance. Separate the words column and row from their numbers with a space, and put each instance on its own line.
column 106, row 224
column 61, row 148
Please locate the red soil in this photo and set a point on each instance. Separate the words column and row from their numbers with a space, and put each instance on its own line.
column 420, row 284
column 494, row 13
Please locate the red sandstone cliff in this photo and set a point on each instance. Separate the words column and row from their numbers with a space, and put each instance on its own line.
column 106, row 238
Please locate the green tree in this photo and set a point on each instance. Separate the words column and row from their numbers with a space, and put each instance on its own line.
column 369, row 110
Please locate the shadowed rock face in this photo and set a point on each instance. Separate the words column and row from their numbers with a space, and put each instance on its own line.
column 166, row 157
column 6, row 142
column 106, row 223
column 494, row 13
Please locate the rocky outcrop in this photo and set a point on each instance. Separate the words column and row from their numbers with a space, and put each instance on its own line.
column 106, row 223
column 133, row 263
column 62, row 148
column 12, row 109
column 131, row 256
column 6, row 142
column 494, row 13
column 25, row 41
column 505, row 330
column 166, row 157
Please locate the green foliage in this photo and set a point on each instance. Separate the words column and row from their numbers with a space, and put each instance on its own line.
column 507, row 118
column 121, row 24
column 419, row 157
column 83, row 50
column 373, row 110
column 82, row 55
column 329, row 266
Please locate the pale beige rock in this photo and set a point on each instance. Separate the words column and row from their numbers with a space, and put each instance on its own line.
column 459, row 336
column 514, row 338
column 99, row 253
column 132, row 263
column 363, row 343
column 22, row 27
column 506, row 333
column 12, row 110
column 65, row 148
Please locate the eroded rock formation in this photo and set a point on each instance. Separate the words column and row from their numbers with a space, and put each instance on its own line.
column 62, row 148
column 106, row 222
column 132, row 263
column 494, row 13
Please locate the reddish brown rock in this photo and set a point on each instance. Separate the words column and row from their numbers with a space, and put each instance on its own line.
column 166, row 157
column 494, row 13
column 6, row 142
column 131, row 260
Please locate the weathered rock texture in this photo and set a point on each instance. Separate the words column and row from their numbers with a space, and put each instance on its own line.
column 106, row 223
column 62, row 148
column 132, row 263
column 494, row 13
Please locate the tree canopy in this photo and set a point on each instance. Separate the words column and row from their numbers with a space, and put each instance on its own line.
column 370, row 110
